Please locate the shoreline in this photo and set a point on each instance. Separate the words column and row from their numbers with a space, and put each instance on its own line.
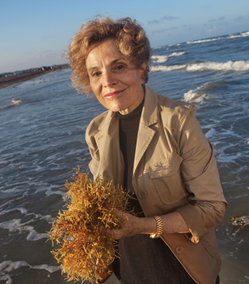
column 5, row 82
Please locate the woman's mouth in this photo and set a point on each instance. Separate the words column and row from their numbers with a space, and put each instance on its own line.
column 113, row 94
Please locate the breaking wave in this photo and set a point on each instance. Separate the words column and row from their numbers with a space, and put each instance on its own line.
column 159, row 58
column 238, row 66
column 167, row 68
column 244, row 34
column 204, row 40
column 200, row 94
column 239, row 35
column 163, row 58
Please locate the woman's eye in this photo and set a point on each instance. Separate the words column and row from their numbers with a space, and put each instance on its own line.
column 119, row 67
column 96, row 74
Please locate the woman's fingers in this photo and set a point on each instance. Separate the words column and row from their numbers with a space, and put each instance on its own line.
column 117, row 234
column 119, row 213
column 129, row 225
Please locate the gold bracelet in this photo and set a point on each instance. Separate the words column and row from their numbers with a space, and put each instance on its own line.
column 159, row 227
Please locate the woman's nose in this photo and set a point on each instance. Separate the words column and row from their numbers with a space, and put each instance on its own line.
column 108, row 79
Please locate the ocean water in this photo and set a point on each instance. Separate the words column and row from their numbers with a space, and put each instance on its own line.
column 42, row 128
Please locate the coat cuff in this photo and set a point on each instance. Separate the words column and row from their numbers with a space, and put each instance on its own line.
column 192, row 217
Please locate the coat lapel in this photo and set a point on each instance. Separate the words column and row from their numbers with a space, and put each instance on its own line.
column 145, row 132
column 111, row 159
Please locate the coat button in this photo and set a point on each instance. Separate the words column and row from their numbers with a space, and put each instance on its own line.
column 195, row 239
column 142, row 194
column 179, row 250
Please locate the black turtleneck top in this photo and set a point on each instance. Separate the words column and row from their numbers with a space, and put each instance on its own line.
column 128, row 129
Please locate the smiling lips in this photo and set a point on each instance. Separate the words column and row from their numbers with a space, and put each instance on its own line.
column 113, row 94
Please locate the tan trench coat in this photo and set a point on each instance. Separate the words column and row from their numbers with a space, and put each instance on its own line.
column 174, row 170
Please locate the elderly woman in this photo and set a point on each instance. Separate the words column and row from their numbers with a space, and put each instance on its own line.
column 153, row 147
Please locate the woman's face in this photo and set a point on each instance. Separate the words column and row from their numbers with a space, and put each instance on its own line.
column 114, row 79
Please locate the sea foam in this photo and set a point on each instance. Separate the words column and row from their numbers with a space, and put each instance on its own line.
column 243, row 34
column 16, row 225
column 210, row 133
column 199, row 94
column 163, row 58
column 204, row 40
column 240, row 35
column 227, row 66
column 194, row 96
column 168, row 68
column 8, row 266
column 159, row 58
column 237, row 66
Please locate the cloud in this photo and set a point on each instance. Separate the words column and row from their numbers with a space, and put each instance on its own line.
column 164, row 18
column 169, row 18
column 164, row 30
column 227, row 25
column 221, row 19
column 212, row 30
column 241, row 18
column 154, row 22
column 189, row 27
column 48, row 51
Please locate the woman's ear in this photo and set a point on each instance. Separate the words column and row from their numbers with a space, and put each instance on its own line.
column 143, row 73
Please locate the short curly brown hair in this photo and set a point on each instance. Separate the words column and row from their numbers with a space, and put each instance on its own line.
column 130, row 37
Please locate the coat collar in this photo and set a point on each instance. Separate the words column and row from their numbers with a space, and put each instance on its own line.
column 148, row 115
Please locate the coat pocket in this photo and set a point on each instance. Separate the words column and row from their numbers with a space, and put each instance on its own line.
column 166, row 177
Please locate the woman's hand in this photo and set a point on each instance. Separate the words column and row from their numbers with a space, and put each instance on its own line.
column 172, row 223
column 132, row 225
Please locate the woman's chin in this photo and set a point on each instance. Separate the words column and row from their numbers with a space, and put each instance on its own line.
column 117, row 108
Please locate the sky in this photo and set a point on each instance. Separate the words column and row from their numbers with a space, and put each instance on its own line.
column 37, row 33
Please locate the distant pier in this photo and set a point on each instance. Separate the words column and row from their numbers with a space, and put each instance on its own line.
column 10, row 78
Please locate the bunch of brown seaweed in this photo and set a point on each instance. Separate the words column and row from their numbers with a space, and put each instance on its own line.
column 85, row 250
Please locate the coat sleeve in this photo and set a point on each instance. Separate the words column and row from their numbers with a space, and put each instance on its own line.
column 207, row 204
